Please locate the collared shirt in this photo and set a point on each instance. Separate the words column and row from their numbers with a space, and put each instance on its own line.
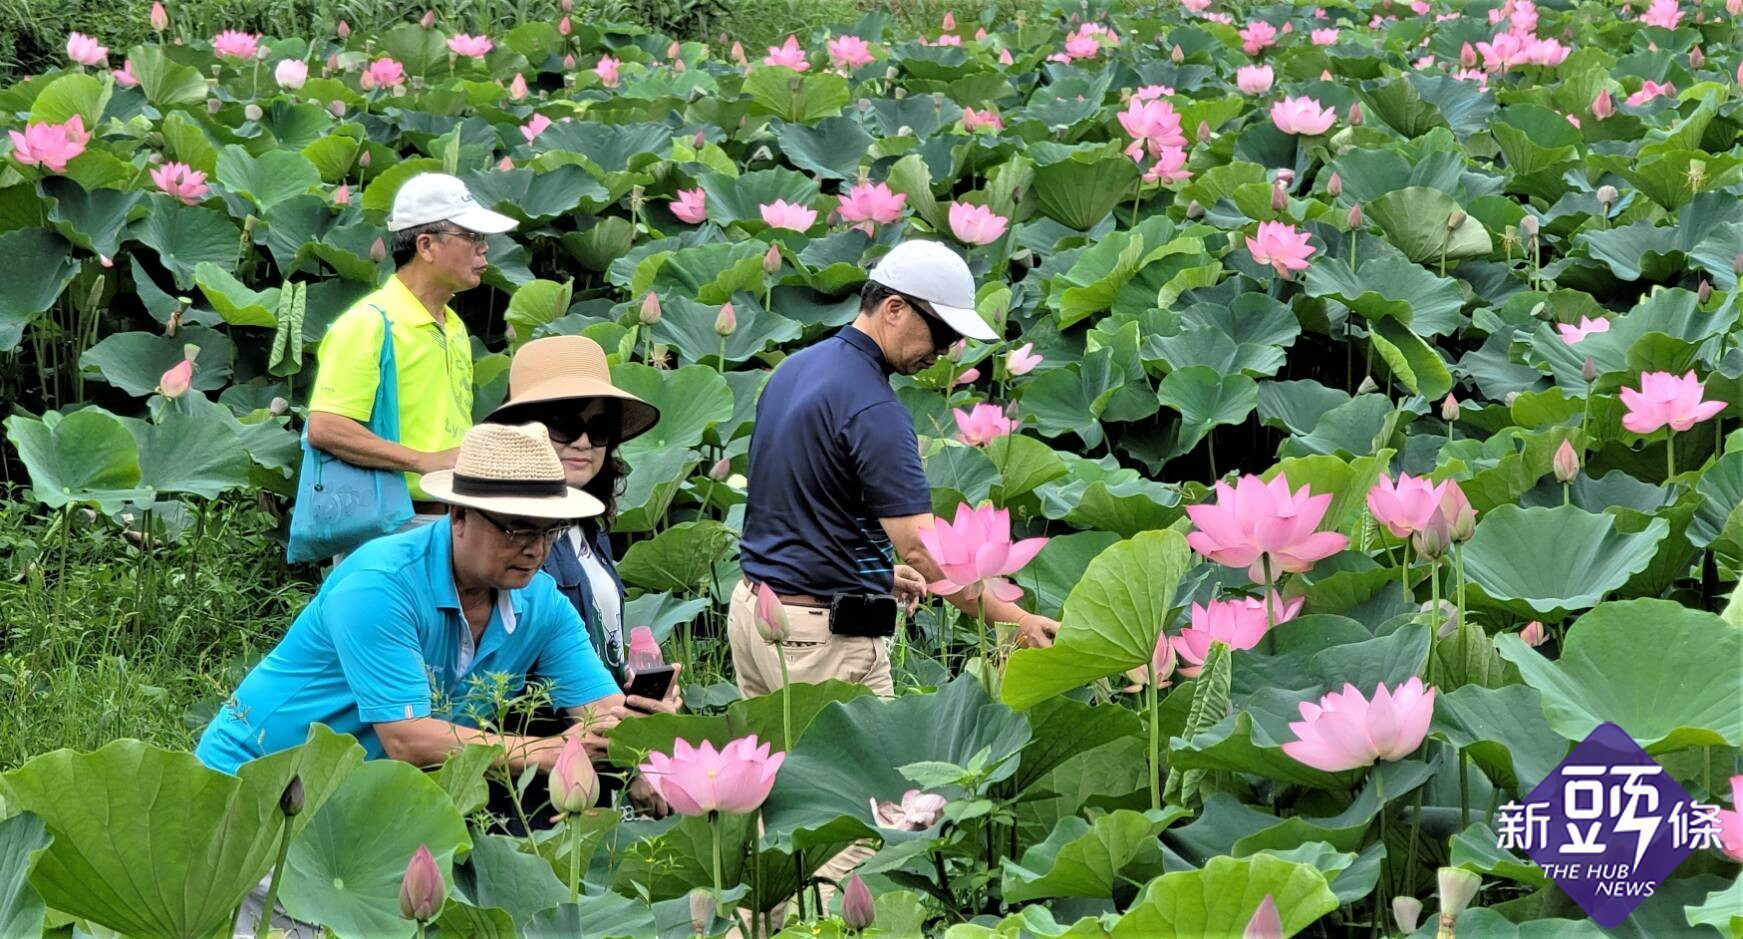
column 385, row 640
column 434, row 362
column 833, row 451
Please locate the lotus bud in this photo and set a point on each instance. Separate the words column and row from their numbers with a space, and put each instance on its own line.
column 332, row 64
column 673, row 49
column 422, row 889
column 1279, row 198
column 342, row 195
column 277, row 406
column 290, row 802
column 1456, row 219
column 701, row 911
column 721, row 469
column 378, row 251
column 1194, row 211
column 1406, row 913
column 699, row 141
column 336, row 107
column 1607, row 196
column 1449, row 409
column 564, row 27
column 344, row 30
column 212, row 105
column 1368, row 386
column 574, row 786
column 1355, row 218
column 1334, row 186
column 1457, row 889
column 1566, row 463
column 772, row 261
column 1204, row 132
column 1534, row 634
column 863, row 104
column 857, row 911
column 1432, row 542
column 726, row 322
column 1704, row 291
column 1356, row 114
column 568, row 6
column 957, row 348
column 737, row 53
column 569, row 64
column 429, row 19
column 1177, row 55
column 650, row 313
column 1589, row 371
column 1530, row 226
column 1467, row 56
column 1696, row 58
column 159, row 17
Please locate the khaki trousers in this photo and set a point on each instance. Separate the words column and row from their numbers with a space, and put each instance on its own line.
column 814, row 655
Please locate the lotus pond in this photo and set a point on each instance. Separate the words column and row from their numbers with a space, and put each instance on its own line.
column 1381, row 351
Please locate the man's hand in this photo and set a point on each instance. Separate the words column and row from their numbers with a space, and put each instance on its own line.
column 910, row 587
column 1035, row 631
column 636, row 705
column 592, row 740
column 643, row 797
column 439, row 460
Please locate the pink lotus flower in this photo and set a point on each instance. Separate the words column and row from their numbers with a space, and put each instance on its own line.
column 124, row 75
column 1152, row 92
column 1545, row 52
column 574, row 785
column 159, row 16
column 1571, row 334
column 1302, row 116
column 1257, row 35
column 235, row 44
column 1153, row 123
column 1533, row 634
column 982, row 425
column 1731, row 822
column 849, row 52
column 342, row 195
column 1162, row 662
column 871, row 203
column 644, row 649
column 176, row 382
column 422, row 889
column 86, row 51
column 976, row 553
column 1266, row 923
column 1253, row 79
column 606, row 68
column 1665, row 399
column 917, row 811
column 1346, row 731
column 691, row 206
column 383, row 73
column 1602, row 105
column 517, row 89
column 973, row 120
column 725, row 322
column 968, row 377
column 792, row 215
column 699, row 780
column 534, row 127
column 1324, row 37
column 1254, row 520
column 1282, row 246
column 788, row 54
column 472, row 47
column 291, row 73
column 50, row 146
column 1022, row 360
column 1565, row 463
column 181, row 181
column 1406, row 507
column 1238, row 624
column 1005, row 57
column 1662, row 13
column 1081, row 46
column 1196, row 6
column 1170, row 167
column 976, row 224
column 1650, row 89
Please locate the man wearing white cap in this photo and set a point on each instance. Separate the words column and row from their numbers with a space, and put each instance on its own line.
column 439, row 248
column 837, row 490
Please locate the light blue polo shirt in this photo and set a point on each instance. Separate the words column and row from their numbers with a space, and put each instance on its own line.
column 385, row 640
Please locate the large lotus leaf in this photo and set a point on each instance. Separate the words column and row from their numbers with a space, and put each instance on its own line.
column 538, row 197
column 691, row 400
column 185, row 235
column 536, row 303
column 1081, row 859
column 1416, row 221
column 498, row 874
column 853, row 750
column 87, row 456
column 345, row 869
column 1721, row 491
column 1687, row 692
column 92, row 220
column 831, row 149
column 49, row 259
column 708, row 273
column 1534, row 138
column 420, row 50
column 1390, row 287
column 959, row 474
column 606, row 915
column 1212, row 348
column 135, row 362
column 654, row 480
column 606, row 240
column 1674, row 312
column 1354, row 427
column 194, row 452
column 1063, row 729
column 1023, row 464
column 150, row 842
column 1220, row 898
column 737, row 199
column 1664, row 177
column 633, row 740
column 662, row 612
column 1049, row 579
column 795, row 98
column 911, row 177
column 607, row 150
column 1112, row 619
column 688, row 326
column 1206, row 399
column 680, row 559
column 1081, row 187
column 21, row 910
column 234, row 301
column 1503, row 730
column 165, row 82
column 1478, row 849
column 269, row 179
column 69, row 94
column 1416, row 364
column 1544, row 562
column 1722, row 910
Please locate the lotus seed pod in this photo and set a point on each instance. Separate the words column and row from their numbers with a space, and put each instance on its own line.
column 1406, row 913
column 1368, row 386
column 1194, row 211
column 1456, row 219
column 1607, row 196
column 1530, row 226
column 252, row 112
column 212, row 105
column 278, row 406
column 1458, row 888
column 701, row 911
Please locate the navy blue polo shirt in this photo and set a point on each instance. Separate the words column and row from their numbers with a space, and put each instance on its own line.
column 833, row 451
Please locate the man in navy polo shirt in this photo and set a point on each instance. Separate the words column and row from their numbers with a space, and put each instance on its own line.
column 837, row 489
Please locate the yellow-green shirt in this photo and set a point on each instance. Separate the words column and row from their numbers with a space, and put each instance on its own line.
column 434, row 362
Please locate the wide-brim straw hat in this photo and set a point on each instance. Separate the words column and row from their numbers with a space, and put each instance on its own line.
column 567, row 370
column 511, row 470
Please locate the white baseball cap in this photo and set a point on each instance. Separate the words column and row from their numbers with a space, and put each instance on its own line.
column 438, row 197
column 930, row 271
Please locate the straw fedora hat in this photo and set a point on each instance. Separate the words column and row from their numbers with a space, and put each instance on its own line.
column 510, row 469
column 567, row 370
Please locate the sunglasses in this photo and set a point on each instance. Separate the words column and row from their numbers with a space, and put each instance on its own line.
column 943, row 336
column 522, row 537
column 601, row 428
column 477, row 238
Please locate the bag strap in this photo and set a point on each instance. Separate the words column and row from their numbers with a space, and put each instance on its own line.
column 384, row 414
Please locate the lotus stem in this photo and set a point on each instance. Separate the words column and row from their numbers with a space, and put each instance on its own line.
column 1669, row 456
column 1459, row 563
column 1464, row 790
column 799, row 879
column 1404, row 573
column 1155, row 735
column 786, row 698
column 714, row 827
column 1566, row 493
column 1382, row 902
column 1270, row 616
column 575, row 860
column 265, row 923
column 1415, row 833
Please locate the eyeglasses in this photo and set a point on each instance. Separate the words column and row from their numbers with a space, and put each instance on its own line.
column 943, row 337
column 523, row 537
column 477, row 238
column 601, row 428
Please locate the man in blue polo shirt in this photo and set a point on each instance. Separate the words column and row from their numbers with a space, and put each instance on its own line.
column 393, row 648
column 837, row 490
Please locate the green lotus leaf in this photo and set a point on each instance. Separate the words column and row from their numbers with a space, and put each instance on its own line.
column 378, row 194
column 536, row 303
column 1477, row 849
column 1063, row 730
column 831, row 149
column 691, row 400
column 655, row 478
column 1534, row 138
column 91, row 220
column 333, row 155
column 959, row 474
column 1220, row 898
column 1096, row 276
column 662, row 612
column 1297, row 406
column 166, row 83
column 688, row 326
column 125, row 853
column 795, row 98
column 1112, row 619
column 852, row 752
column 601, row 243
column 50, row 261
column 738, row 199
column 345, row 870
column 1415, row 220
column 911, row 177
column 710, row 273
column 185, row 235
column 613, row 153
column 1048, row 579
column 135, row 362
column 1673, row 312
column 1081, row 859
column 633, row 740
column 680, row 559
column 609, row 916
column 1023, row 464
column 1205, row 400
column 1721, row 491
column 1665, row 178
column 1722, row 910
column 1415, row 363
column 419, row 50
column 1078, row 187
column 1687, row 693
column 86, row 456
column 21, row 910
column 1391, row 287
column 535, row 198
column 195, row 452
column 1399, row 105
column 268, row 179
column 1542, row 563
column 1503, row 730
column 238, row 305
column 663, row 861
column 72, row 93
column 459, row 918
column 497, row 874
column 1065, row 102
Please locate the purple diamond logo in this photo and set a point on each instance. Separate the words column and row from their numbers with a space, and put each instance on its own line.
column 1608, row 825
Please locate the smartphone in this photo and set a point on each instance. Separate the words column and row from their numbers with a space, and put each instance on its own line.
column 650, row 683
column 862, row 614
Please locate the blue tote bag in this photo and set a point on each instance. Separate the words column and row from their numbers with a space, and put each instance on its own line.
column 340, row 506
